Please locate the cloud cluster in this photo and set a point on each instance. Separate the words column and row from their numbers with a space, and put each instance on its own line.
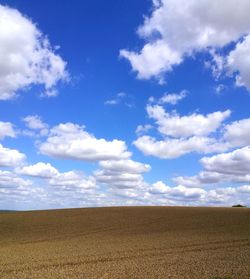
column 235, row 163
column 71, row 141
column 9, row 179
column 69, row 180
column 238, row 63
column 195, row 132
column 197, row 196
column 124, row 185
column 122, row 174
column 170, row 148
column 35, row 123
column 182, row 134
column 26, row 56
column 237, row 132
column 174, row 125
column 177, row 29
column 73, row 179
column 10, row 157
column 6, row 130
column 172, row 98
column 231, row 167
column 43, row 170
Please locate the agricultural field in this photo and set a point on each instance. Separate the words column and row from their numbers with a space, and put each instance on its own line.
column 126, row 242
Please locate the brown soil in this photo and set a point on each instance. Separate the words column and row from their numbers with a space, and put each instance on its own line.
column 126, row 242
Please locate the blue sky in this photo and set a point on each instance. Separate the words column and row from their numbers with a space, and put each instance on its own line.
column 124, row 103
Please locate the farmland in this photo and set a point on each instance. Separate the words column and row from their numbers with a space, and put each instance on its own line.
column 126, row 242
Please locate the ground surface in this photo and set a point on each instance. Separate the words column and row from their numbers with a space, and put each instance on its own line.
column 129, row 242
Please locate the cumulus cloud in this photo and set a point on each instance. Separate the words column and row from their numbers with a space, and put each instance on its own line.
column 232, row 167
column 198, row 196
column 141, row 129
column 236, row 162
column 119, row 180
column 11, row 180
column 27, row 58
column 173, row 148
column 40, row 169
column 129, row 166
column 238, row 62
column 154, row 59
column 122, row 174
column 181, row 135
column 10, row 157
column 244, row 189
column 237, row 133
column 17, row 191
column 71, row 141
column 34, row 122
column 177, row 29
column 178, row 192
column 6, row 130
column 72, row 179
column 172, row 98
column 187, row 181
column 172, row 124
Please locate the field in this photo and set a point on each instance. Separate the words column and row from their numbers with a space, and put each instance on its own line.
column 126, row 242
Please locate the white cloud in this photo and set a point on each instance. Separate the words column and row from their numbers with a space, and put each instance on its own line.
column 203, row 178
column 236, row 162
column 122, row 174
column 178, row 28
column 40, row 169
column 183, row 134
column 141, row 129
column 10, row 157
column 153, row 59
column 119, row 179
column 71, row 141
column 159, row 188
column 71, row 180
column 173, row 148
column 237, row 132
column 34, row 122
column 6, row 130
column 172, row 124
column 26, row 56
column 196, row 196
column 230, row 167
column 15, row 190
column 238, row 62
column 220, row 88
column 172, row 98
column 120, row 98
column 129, row 166
column 11, row 180
column 180, row 191
column 112, row 102
column 244, row 189
column 187, row 181
column 117, row 100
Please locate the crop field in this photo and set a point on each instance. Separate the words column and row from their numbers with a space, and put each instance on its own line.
column 126, row 242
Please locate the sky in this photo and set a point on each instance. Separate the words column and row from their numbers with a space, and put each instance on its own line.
column 124, row 103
